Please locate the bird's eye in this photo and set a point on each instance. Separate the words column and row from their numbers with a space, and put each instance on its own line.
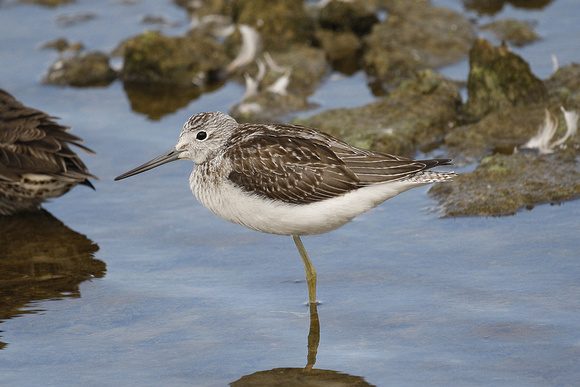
column 201, row 135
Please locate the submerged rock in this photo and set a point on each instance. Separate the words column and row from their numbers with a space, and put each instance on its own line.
column 85, row 70
column 503, row 184
column 498, row 79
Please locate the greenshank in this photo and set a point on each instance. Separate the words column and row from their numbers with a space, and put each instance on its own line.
column 288, row 179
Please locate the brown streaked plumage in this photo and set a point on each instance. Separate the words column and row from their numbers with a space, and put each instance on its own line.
column 288, row 179
column 301, row 165
column 36, row 162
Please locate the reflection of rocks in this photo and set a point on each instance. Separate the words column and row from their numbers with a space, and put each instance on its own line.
column 297, row 377
column 306, row 376
column 42, row 259
column 155, row 101
column 414, row 115
column 49, row 3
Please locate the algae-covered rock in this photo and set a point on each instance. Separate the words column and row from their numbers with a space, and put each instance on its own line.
column 280, row 22
column 85, row 70
column 416, row 36
column 564, row 87
column 62, row 45
column 498, row 78
column 269, row 107
column 502, row 131
column 307, row 64
column 338, row 45
column 516, row 32
column 511, row 126
column 352, row 17
column 503, row 184
column 181, row 61
column 301, row 68
column 416, row 114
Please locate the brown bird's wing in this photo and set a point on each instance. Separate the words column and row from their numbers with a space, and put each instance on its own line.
column 32, row 142
column 302, row 165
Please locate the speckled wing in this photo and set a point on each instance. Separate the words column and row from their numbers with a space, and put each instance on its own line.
column 303, row 165
column 31, row 142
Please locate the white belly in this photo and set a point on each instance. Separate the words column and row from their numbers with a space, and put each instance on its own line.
column 257, row 213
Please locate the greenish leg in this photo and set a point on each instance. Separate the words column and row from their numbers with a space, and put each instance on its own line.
column 310, row 272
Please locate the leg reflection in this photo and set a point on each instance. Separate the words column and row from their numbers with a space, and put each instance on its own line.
column 313, row 337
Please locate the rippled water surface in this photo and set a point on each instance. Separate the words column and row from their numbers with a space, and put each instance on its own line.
column 137, row 284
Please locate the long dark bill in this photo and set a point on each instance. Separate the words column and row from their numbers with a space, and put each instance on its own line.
column 165, row 158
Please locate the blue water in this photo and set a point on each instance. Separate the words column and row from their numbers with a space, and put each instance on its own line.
column 189, row 299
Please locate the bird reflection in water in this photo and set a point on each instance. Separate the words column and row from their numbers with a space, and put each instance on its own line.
column 302, row 377
column 42, row 259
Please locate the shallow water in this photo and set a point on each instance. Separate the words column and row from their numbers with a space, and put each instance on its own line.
column 189, row 299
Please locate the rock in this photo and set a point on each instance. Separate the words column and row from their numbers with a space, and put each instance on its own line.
column 503, row 184
column 85, row 70
column 187, row 61
column 564, row 87
column 516, row 32
column 339, row 45
column 62, row 45
column 347, row 17
column 509, row 177
column 416, row 36
column 502, row 131
column 416, row 114
column 281, row 23
column 305, row 67
column 499, row 78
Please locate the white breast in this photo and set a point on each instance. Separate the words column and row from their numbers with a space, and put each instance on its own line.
column 235, row 205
